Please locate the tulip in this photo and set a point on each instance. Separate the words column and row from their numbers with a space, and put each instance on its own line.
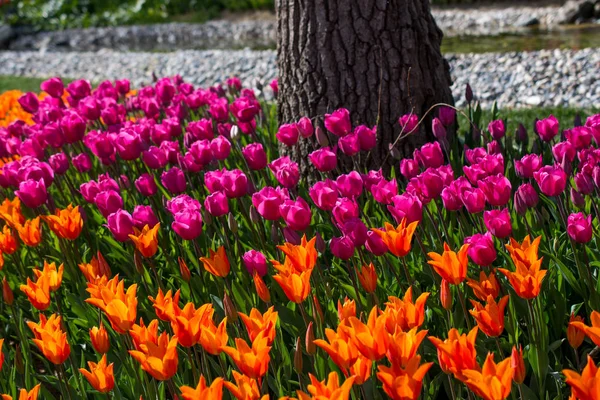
column 375, row 244
column 580, row 137
column 404, row 383
column 494, row 382
column 99, row 339
column 341, row 350
column 406, row 206
column 579, row 227
column 367, row 277
column 7, row 293
column 120, row 306
column 8, row 242
column 53, row 86
column 159, row 360
column 96, row 269
column 203, row 391
column 367, row 137
column 120, row 224
column 216, row 204
column 438, row 129
column 323, row 159
column 53, row 274
column 409, row 168
column 50, row 339
column 497, row 189
column 174, row 180
column 398, row 240
column 450, row 265
column 447, row 115
column 217, row 263
column 296, row 214
column 497, row 129
column 30, row 232
column 82, row 162
column 547, row 128
column 100, row 376
column 498, row 222
column 356, row 230
column 268, row 200
column 146, row 240
column 481, row 249
column 338, row 122
column 286, row 171
column 144, row 215
column 526, row 166
column 473, row 199
column 404, row 314
column 384, row 191
column 408, row 123
column 526, row 281
column 429, row 155
column 349, row 144
column 255, row 262
column 288, row 134
column 457, row 354
column 451, row 198
column 350, row 185
column 32, row 193
column 517, row 364
column 342, row 247
column 584, row 386
column 575, row 335
column 108, row 202
column 446, row 295
column 255, row 156
column 38, row 292
column 526, row 197
column 490, row 318
column 486, row 286
column 29, row 102
column 220, row 147
column 251, row 361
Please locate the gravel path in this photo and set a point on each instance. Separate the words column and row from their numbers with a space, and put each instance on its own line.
column 544, row 78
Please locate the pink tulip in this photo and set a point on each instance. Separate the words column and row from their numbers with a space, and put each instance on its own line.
column 432, row 183
column 165, row 90
column 552, row 180
column 342, row 248
column 338, row 122
column 498, row 222
column 305, row 127
column 323, row 159
column 451, row 195
column 547, row 128
column 438, row 129
column 267, row 202
column 356, row 230
column 234, row 183
column 350, row 185
column 497, row 189
column 288, row 134
column 220, row 147
column 108, row 202
column 120, row 224
column 286, row 171
column 146, row 185
column 409, row 168
column 59, row 163
column 497, row 129
column 274, row 85
column 255, row 156
column 593, row 122
column 584, row 183
column 494, row 147
column 244, row 109
column 447, row 115
column 216, row 204
column 384, row 191
column 372, row 178
column 344, row 210
column 234, row 83
column 219, row 109
column 202, row 129
column 525, row 197
column 408, row 123
column 564, row 151
column 580, row 137
column 324, row 194
column 475, row 173
column 255, row 261
column 296, row 214
column 32, row 193
column 54, row 87
column 202, row 152
column 181, row 203
column 128, row 145
column 173, row 180
column 481, row 249
column 473, row 199
column 349, row 144
column 89, row 191
column 579, row 227
column 79, row 89
column 123, row 86
column 526, row 166
column 171, row 150
column 375, row 244
column 429, row 155
column 476, row 155
column 406, row 206
column 367, row 137
column 576, row 198
column 144, row 215
column 154, row 158
column 82, row 162
column 29, row 102
column 188, row 224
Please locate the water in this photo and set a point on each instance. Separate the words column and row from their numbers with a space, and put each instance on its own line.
column 568, row 37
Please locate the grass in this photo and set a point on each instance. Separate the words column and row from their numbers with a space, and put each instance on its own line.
column 19, row 83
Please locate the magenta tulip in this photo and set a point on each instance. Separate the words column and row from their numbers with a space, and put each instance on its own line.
column 498, row 222
column 579, row 227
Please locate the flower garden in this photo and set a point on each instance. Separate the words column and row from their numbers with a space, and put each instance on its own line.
column 158, row 243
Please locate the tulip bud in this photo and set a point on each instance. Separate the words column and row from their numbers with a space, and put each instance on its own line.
column 446, row 295
column 230, row 310
column 439, row 131
column 99, row 338
column 274, row 234
column 476, row 135
column 261, row 288
column 298, row 356
column 320, row 243
column 575, row 335
column 137, row 261
column 309, row 341
column 206, row 217
column 566, row 165
column 518, row 365
column 394, row 152
column 103, row 265
column 468, row 93
column 254, row 216
column 234, row 133
column 521, row 135
column 317, row 311
column 7, row 293
column 577, row 121
column 184, row 270
column 232, row 224
column 19, row 360
column 576, row 198
column 321, row 137
column 291, row 236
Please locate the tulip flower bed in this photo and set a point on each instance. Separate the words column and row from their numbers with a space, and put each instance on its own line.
column 156, row 244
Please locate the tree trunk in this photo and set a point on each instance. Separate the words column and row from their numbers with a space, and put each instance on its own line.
column 380, row 59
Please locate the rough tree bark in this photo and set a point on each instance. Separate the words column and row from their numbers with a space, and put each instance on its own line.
column 378, row 58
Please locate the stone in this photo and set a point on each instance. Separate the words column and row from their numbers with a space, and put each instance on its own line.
column 574, row 10
column 6, row 35
column 527, row 21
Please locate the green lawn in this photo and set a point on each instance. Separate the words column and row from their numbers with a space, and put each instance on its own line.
column 20, row 83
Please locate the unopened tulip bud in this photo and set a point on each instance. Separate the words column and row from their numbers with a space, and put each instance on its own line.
column 317, row 311
column 137, row 261
column 320, row 244
column 298, row 356
column 234, row 133
column 19, row 360
column 274, row 234
column 575, row 335
column 439, row 131
column 230, row 310
column 184, row 270
column 321, row 137
column 7, row 293
column 576, row 198
column 261, row 288
column 103, row 265
column 309, row 340
column 99, row 338
column 577, row 121
column 446, row 295
column 254, row 216
column 468, row 93
column 566, row 166
column 394, row 152
column 232, row 224
column 291, row 236
column 476, row 135
column 518, row 365
column 206, row 217
column 521, row 135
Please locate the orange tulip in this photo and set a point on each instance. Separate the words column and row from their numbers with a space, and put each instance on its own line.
column 256, row 323
column 327, row 389
column 1, row 354
column 367, row 277
column 486, row 286
column 100, row 375
column 405, row 314
column 493, row 382
column 302, row 257
column 251, row 361
column 526, row 281
column 585, row 386
column 159, row 360
column 50, row 339
column 142, row 334
column 99, row 338
column 146, row 240
column 213, row 338
column 490, row 318
column 346, row 309
column 445, row 295
column 398, row 240
column 593, row 332
column 96, row 269
column 119, row 306
column 214, row 391
column 295, row 286
column 25, row 395
column 450, row 265
column 517, row 364
column 403, row 383
column 217, row 264
column 38, row 292
column 66, row 223
column 526, row 252
column 361, row 370
column 457, row 353
column 10, row 211
column 261, row 289
column 184, row 270
column 245, row 388
column 403, row 346
column 370, row 339
column 575, row 335
column 54, row 274
column 30, row 232
column 166, row 305
column 341, row 349
column 189, row 321
column 8, row 242
column 1, row 260
column 7, row 293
